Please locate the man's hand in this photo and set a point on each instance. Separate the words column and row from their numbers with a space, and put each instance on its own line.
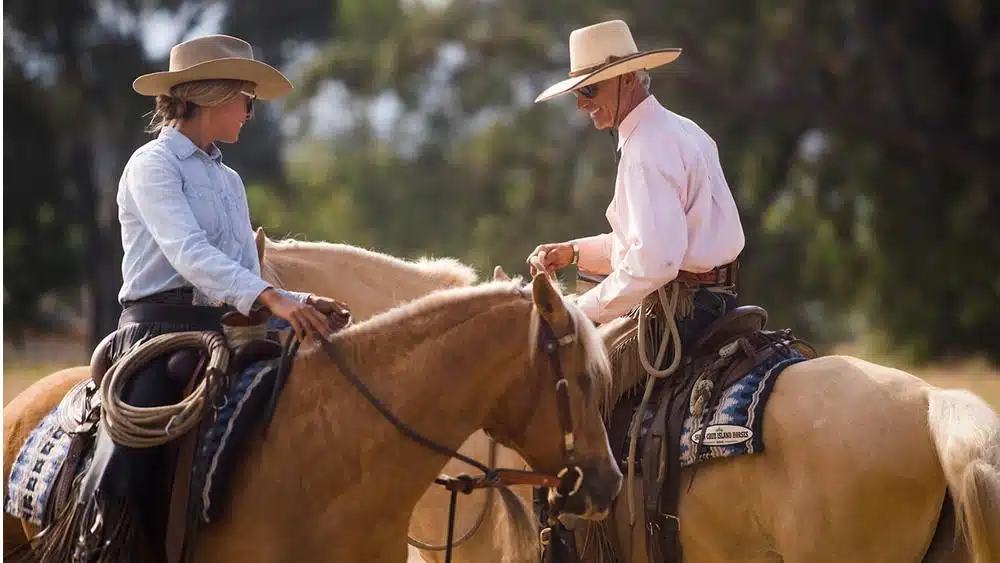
column 553, row 256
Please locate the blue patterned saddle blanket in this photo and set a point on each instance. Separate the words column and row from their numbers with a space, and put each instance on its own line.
column 735, row 424
column 41, row 458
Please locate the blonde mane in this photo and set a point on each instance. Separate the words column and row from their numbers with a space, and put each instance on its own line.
column 597, row 362
column 277, row 261
column 426, row 304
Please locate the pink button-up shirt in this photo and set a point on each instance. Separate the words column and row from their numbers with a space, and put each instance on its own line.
column 672, row 210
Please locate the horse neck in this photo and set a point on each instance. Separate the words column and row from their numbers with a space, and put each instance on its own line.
column 441, row 371
column 371, row 283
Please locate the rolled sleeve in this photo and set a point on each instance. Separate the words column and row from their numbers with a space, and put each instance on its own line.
column 155, row 185
column 595, row 253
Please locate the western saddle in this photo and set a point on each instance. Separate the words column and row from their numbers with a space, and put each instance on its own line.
column 247, row 342
column 725, row 352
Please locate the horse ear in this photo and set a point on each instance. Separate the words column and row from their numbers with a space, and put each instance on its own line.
column 261, row 240
column 550, row 304
column 499, row 274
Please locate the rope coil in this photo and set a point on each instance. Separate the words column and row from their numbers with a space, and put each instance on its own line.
column 147, row 427
column 670, row 310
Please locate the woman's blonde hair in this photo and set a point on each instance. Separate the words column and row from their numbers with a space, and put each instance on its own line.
column 185, row 99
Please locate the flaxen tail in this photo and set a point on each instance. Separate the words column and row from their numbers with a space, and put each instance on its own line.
column 966, row 432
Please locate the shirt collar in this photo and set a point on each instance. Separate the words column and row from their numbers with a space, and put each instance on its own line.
column 183, row 147
column 631, row 121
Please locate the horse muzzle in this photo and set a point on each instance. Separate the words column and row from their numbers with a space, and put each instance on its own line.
column 586, row 491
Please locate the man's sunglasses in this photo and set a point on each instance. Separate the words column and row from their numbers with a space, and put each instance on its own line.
column 250, row 98
column 588, row 91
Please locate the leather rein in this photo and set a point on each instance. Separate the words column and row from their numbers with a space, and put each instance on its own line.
column 566, row 483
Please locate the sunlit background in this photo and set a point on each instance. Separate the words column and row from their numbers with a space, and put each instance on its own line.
column 861, row 141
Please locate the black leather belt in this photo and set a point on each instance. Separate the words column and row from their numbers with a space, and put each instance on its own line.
column 199, row 317
column 176, row 296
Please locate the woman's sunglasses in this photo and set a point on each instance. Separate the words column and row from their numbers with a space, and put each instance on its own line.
column 250, row 98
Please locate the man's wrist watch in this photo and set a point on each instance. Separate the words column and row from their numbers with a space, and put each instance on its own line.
column 576, row 253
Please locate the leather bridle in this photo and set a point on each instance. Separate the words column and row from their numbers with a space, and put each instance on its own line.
column 566, row 483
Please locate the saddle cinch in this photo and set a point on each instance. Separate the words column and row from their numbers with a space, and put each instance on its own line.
column 727, row 351
column 202, row 458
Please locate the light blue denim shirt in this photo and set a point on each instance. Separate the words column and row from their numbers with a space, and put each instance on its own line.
column 185, row 222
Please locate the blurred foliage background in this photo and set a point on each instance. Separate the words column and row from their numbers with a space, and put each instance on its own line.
column 861, row 139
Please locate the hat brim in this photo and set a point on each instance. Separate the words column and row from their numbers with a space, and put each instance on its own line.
column 271, row 84
column 640, row 61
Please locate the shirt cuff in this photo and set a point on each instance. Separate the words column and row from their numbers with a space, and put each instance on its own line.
column 593, row 253
column 246, row 301
column 299, row 296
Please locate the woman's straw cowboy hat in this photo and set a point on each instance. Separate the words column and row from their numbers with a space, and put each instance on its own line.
column 602, row 51
column 214, row 57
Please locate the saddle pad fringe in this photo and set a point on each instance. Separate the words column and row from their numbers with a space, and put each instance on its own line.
column 66, row 539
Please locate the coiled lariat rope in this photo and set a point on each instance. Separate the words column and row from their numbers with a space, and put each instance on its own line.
column 147, row 427
column 669, row 311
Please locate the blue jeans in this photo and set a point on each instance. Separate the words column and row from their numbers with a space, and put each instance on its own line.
column 709, row 306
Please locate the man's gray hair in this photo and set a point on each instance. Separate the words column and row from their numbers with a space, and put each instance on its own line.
column 643, row 76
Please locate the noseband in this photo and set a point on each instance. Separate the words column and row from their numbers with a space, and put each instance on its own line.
column 566, row 483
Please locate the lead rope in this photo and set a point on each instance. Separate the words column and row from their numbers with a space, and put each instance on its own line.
column 451, row 524
column 487, row 505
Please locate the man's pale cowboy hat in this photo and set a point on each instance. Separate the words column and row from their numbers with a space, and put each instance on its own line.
column 602, row 51
column 214, row 57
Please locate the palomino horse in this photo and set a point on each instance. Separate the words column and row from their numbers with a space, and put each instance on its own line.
column 334, row 480
column 862, row 463
column 370, row 282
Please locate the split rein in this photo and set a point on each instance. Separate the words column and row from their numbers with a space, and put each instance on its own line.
column 566, row 483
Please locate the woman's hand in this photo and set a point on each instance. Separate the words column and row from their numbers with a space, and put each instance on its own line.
column 339, row 314
column 306, row 319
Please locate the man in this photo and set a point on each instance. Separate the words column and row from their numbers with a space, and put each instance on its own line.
column 672, row 216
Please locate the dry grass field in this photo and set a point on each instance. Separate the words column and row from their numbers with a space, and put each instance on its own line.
column 44, row 355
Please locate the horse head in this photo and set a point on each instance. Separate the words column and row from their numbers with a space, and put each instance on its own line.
column 553, row 419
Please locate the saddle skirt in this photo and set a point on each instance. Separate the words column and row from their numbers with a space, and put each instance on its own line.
column 37, row 485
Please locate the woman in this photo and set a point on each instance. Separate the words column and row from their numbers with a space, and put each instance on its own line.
column 189, row 250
